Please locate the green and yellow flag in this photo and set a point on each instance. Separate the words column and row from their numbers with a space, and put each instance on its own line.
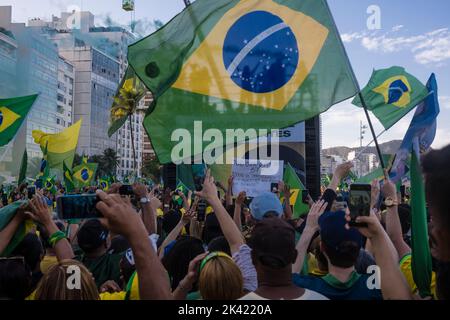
column 84, row 174
column 391, row 94
column 49, row 184
column 60, row 146
column 68, row 179
column 12, row 113
column 23, row 168
column 104, row 183
column 291, row 178
column 7, row 213
column 260, row 64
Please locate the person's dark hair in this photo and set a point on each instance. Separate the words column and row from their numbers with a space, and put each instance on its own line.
column 437, row 179
column 345, row 256
column 177, row 260
column 219, row 244
column 273, row 243
column 118, row 244
column 170, row 220
column 91, row 236
column 211, row 229
column 15, row 279
column 31, row 249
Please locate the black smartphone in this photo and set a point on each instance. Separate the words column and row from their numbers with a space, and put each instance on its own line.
column 305, row 194
column 274, row 187
column 79, row 206
column 201, row 210
column 247, row 201
column 31, row 191
column 198, row 182
column 126, row 190
column 359, row 202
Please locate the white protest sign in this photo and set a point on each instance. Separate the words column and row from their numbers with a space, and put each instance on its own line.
column 256, row 177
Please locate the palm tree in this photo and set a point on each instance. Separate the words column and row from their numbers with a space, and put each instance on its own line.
column 110, row 161
column 125, row 105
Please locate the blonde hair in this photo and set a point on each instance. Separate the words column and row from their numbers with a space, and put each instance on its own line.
column 221, row 279
column 54, row 284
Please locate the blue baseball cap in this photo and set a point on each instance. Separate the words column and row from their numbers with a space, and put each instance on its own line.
column 266, row 202
column 333, row 232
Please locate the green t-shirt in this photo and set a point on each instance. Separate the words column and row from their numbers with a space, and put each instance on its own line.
column 104, row 268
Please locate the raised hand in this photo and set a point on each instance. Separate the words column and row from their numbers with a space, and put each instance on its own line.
column 317, row 209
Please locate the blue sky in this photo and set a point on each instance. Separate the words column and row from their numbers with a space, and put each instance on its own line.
column 414, row 34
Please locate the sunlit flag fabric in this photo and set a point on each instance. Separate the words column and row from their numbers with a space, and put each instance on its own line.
column 84, row 174
column 241, row 64
column 391, row 94
column 60, row 146
column 12, row 113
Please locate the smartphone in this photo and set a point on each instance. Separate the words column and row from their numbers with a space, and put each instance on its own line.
column 126, row 190
column 359, row 202
column 201, row 210
column 198, row 183
column 274, row 187
column 247, row 201
column 31, row 191
column 305, row 194
column 79, row 206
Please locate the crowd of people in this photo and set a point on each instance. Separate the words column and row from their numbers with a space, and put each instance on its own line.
column 149, row 246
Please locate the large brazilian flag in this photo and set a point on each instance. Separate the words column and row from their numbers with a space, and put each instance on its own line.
column 12, row 113
column 261, row 64
column 60, row 146
column 84, row 174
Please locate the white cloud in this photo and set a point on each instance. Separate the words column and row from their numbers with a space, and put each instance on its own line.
column 429, row 48
column 444, row 102
column 442, row 138
column 397, row 27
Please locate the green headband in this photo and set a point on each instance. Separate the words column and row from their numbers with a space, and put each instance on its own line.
column 213, row 255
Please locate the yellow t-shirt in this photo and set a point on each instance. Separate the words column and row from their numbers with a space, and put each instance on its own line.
column 113, row 296
column 405, row 267
column 47, row 262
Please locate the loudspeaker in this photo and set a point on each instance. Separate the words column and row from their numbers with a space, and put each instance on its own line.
column 312, row 137
column 169, row 175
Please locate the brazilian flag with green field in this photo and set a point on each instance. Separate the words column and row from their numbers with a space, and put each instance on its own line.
column 260, row 64
column 13, row 112
column 84, row 174
column 392, row 93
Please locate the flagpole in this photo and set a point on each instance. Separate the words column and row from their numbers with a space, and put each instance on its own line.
column 355, row 81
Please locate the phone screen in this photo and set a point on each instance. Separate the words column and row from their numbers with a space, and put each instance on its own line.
column 274, row 187
column 359, row 200
column 126, row 190
column 77, row 207
column 201, row 211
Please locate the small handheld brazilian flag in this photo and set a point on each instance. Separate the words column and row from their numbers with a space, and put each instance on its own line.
column 391, row 93
column 12, row 113
column 291, row 178
column 104, row 183
column 44, row 169
column 84, row 174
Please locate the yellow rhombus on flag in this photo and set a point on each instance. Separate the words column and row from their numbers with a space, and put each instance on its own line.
column 61, row 146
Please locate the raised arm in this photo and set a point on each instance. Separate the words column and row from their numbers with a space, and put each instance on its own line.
column 229, row 193
column 238, row 209
column 393, row 284
column 393, row 226
column 176, row 231
column 228, row 226
column 312, row 226
column 149, row 205
column 121, row 218
column 41, row 213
